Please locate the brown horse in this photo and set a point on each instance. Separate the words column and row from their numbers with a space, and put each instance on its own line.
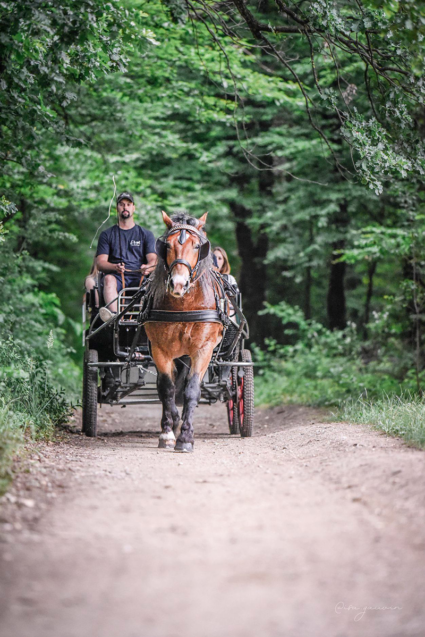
column 183, row 321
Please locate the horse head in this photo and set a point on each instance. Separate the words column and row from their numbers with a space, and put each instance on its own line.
column 183, row 247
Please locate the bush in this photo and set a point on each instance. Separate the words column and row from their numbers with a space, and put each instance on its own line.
column 321, row 367
column 33, row 319
column 31, row 405
column 38, row 379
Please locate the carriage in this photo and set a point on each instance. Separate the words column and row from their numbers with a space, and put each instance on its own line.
column 119, row 368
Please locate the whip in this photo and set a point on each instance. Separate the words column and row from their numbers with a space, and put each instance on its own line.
column 109, row 212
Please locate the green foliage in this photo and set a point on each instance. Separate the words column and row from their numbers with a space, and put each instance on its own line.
column 402, row 415
column 11, row 435
column 30, row 403
column 46, row 48
column 321, row 367
column 344, row 51
column 34, row 320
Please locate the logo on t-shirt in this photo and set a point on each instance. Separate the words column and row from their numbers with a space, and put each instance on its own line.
column 134, row 243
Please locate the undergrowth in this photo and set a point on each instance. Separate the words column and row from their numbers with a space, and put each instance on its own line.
column 38, row 378
column 319, row 367
column 396, row 415
column 30, row 405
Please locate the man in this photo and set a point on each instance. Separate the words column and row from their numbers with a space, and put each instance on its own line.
column 125, row 249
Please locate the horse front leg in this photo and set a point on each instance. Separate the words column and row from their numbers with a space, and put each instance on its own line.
column 192, row 394
column 166, row 393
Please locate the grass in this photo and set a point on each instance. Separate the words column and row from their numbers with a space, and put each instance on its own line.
column 386, row 407
column 402, row 416
column 328, row 382
column 11, row 435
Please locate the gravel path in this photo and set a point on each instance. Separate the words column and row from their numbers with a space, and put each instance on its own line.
column 310, row 528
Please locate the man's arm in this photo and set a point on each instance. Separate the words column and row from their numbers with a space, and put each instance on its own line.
column 105, row 266
column 151, row 263
column 149, row 249
column 102, row 255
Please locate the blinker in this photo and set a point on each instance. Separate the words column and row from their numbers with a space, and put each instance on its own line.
column 204, row 250
column 161, row 249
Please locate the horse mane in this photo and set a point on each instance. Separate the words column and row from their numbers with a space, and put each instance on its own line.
column 159, row 276
column 183, row 217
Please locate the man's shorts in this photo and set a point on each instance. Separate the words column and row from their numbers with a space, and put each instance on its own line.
column 132, row 280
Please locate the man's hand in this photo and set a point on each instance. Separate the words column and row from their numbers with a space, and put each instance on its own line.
column 105, row 266
column 146, row 269
column 120, row 268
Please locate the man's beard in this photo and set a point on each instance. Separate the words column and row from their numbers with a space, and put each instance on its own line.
column 125, row 213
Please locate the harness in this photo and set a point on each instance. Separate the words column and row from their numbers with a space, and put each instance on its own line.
column 149, row 315
column 183, row 229
column 220, row 286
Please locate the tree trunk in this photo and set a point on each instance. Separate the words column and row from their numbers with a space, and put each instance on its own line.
column 252, row 281
column 308, row 278
column 371, row 272
column 22, row 225
column 253, row 247
column 336, row 292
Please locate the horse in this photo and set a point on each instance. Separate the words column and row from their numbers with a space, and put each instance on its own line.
column 183, row 321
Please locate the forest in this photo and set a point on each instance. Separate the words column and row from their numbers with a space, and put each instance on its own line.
column 298, row 126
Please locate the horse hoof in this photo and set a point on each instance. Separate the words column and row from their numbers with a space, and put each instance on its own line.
column 166, row 444
column 166, row 440
column 183, row 447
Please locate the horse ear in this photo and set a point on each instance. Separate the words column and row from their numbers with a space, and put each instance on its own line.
column 202, row 220
column 166, row 219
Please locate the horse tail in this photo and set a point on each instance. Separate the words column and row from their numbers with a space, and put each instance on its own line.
column 182, row 365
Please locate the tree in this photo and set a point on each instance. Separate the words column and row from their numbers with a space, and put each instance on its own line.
column 385, row 41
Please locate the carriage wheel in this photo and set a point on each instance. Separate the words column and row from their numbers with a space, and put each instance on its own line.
column 90, row 375
column 246, row 397
column 232, row 411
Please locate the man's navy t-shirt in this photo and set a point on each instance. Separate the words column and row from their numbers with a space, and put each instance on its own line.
column 127, row 246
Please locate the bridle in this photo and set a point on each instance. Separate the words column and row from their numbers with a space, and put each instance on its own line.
column 183, row 229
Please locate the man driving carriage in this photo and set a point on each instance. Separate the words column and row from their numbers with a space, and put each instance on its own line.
column 191, row 317
column 125, row 254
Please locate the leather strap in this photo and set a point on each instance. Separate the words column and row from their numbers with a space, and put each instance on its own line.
column 186, row 263
column 195, row 316
column 184, row 226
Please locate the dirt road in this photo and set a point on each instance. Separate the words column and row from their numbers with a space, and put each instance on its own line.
column 308, row 529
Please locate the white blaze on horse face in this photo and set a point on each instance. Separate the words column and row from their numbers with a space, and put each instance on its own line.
column 180, row 280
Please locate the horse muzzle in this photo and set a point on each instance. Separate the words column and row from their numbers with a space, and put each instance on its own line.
column 178, row 285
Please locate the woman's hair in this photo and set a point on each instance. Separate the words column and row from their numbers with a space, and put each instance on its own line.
column 225, row 269
column 93, row 270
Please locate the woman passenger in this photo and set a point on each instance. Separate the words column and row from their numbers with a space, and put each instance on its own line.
column 223, row 265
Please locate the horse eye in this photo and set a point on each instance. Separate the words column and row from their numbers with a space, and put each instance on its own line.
column 197, row 246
